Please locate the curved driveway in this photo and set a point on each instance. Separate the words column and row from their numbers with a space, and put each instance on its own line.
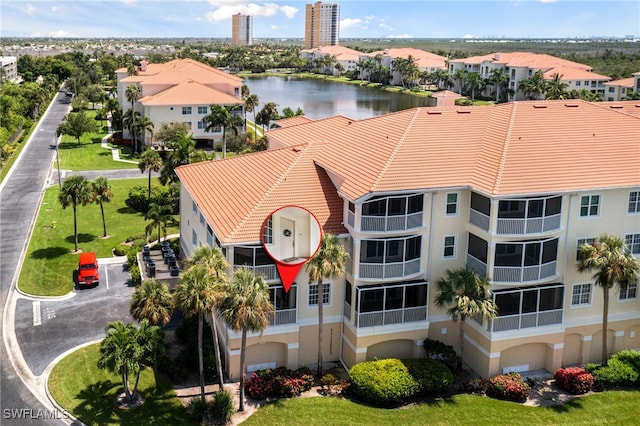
column 36, row 331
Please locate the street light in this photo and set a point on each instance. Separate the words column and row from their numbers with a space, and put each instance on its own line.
column 56, row 138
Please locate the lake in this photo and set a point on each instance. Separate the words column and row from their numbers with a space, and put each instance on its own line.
column 321, row 98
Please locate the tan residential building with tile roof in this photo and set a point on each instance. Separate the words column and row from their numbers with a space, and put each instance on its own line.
column 619, row 89
column 425, row 61
column 522, row 65
column 511, row 190
column 342, row 55
column 180, row 91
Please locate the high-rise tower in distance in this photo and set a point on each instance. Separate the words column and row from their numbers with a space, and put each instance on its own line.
column 322, row 25
column 241, row 30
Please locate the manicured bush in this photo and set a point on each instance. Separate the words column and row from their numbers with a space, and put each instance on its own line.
column 383, row 382
column 615, row 375
column 508, row 387
column 279, row 382
column 630, row 357
column 574, row 379
column 134, row 270
column 175, row 369
column 187, row 333
column 433, row 376
column 442, row 352
column 477, row 385
column 120, row 250
column 333, row 386
column 221, row 408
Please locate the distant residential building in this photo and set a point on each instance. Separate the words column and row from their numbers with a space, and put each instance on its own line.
column 322, row 25
column 9, row 68
column 241, row 30
column 425, row 61
column 347, row 58
column 619, row 89
column 519, row 66
column 180, row 91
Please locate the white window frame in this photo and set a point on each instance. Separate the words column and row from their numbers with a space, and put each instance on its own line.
column 313, row 294
column 578, row 291
column 202, row 110
column 633, row 242
column 194, row 208
column 633, row 207
column 186, row 110
column 581, row 241
column 194, row 238
column 445, row 246
column 456, row 204
column 624, row 297
column 590, row 205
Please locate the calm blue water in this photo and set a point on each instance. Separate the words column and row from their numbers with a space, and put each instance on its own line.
column 321, row 98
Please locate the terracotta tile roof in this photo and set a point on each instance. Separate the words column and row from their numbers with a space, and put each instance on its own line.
column 179, row 70
column 293, row 121
column 423, row 58
column 523, row 59
column 532, row 147
column 341, row 53
column 625, row 82
column 190, row 93
column 236, row 195
column 570, row 73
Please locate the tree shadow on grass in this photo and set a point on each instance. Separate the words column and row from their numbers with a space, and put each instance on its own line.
column 82, row 238
column 97, row 403
column 49, row 252
column 127, row 210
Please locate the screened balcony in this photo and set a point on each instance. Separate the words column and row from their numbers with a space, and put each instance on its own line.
column 257, row 260
column 388, row 304
column 527, row 308
column 385, row 214
column 285, row 305
column 390, row 258
column 529, row 216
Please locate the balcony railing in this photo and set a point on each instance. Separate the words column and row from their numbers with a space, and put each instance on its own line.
column 478, row 219
column 477, row 265
column 522, row 274
column 529, row 320
column 282, row 317
column 346, row 311
column 389, row 270
column 534, row 225
column 351, row 219
column 393, row 316
column 391, row 223
column 270, row 272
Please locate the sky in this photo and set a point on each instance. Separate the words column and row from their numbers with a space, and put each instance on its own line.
column 285, row 19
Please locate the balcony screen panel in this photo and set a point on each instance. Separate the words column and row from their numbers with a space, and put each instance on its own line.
column 283, row 300
column 478, row 248
column 550, row 251
column 394, row 298
column 554, row 206
column 413, row 248
column 508, row 303
column 415, row 204
column 416, row 295
column 397, row 206
column 348, row 292
column 551, row 298
column 373, row 252
column 371, row 300
column 375, row 208
column 530, row 301
column 395, row 250
column 511, row 209
column 535, row 208
column 262, row 258
column 532, row 254
column 508, row 255
column 243, row 256
column 480, row 203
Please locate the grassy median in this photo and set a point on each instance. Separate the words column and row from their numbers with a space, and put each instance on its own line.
column 49, row 262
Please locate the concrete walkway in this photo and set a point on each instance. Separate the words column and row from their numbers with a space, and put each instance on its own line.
column 115, row 152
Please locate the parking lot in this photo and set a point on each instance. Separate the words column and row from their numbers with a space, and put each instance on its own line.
column 48, row 328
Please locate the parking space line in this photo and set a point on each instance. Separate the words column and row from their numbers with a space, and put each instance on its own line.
column 37, row 319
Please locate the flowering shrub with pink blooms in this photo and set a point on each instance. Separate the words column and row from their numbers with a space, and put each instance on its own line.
column 574, row 379
column 509, row 387
column 279, row 382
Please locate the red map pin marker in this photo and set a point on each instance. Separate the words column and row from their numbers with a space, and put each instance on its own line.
column 291, row 235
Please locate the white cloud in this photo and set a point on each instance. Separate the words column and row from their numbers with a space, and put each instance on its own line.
column 547, row 1
column 469, row 36
column 350, row 23
column 55, row 8
column 62, row 33
column 129, row 2
column 385, row 27
column 400, row 36
column 223, row 9
column 29, row 9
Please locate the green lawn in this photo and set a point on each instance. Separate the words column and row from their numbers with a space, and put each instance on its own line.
column 49, row 264
column 607, row 408
column 89, row 154
column 89, row 394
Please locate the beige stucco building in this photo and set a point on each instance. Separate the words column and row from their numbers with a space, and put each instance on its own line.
column 511, row 190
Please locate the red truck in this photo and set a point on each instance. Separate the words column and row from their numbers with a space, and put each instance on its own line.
column 88, row 269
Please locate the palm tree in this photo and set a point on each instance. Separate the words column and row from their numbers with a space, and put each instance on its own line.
column 217, row 268
column 330, row 263
column 150, row 160
column 474, row 82
column 159, row 215
column 247, row 307
column 193, row 297
column 75, row 192
column 613, row 264
column 223, row 116
column 498, row 78
column 250, row 105
column 152, row 301
column 102, row 193
column 471, row 297
column 460, row 75
column 556, row 88
column 143, row 124
column 534, row 86
column 132, row 93
column 183, row 151
column 129, row 120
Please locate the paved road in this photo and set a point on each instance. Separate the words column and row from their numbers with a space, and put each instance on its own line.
column 37, row 331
